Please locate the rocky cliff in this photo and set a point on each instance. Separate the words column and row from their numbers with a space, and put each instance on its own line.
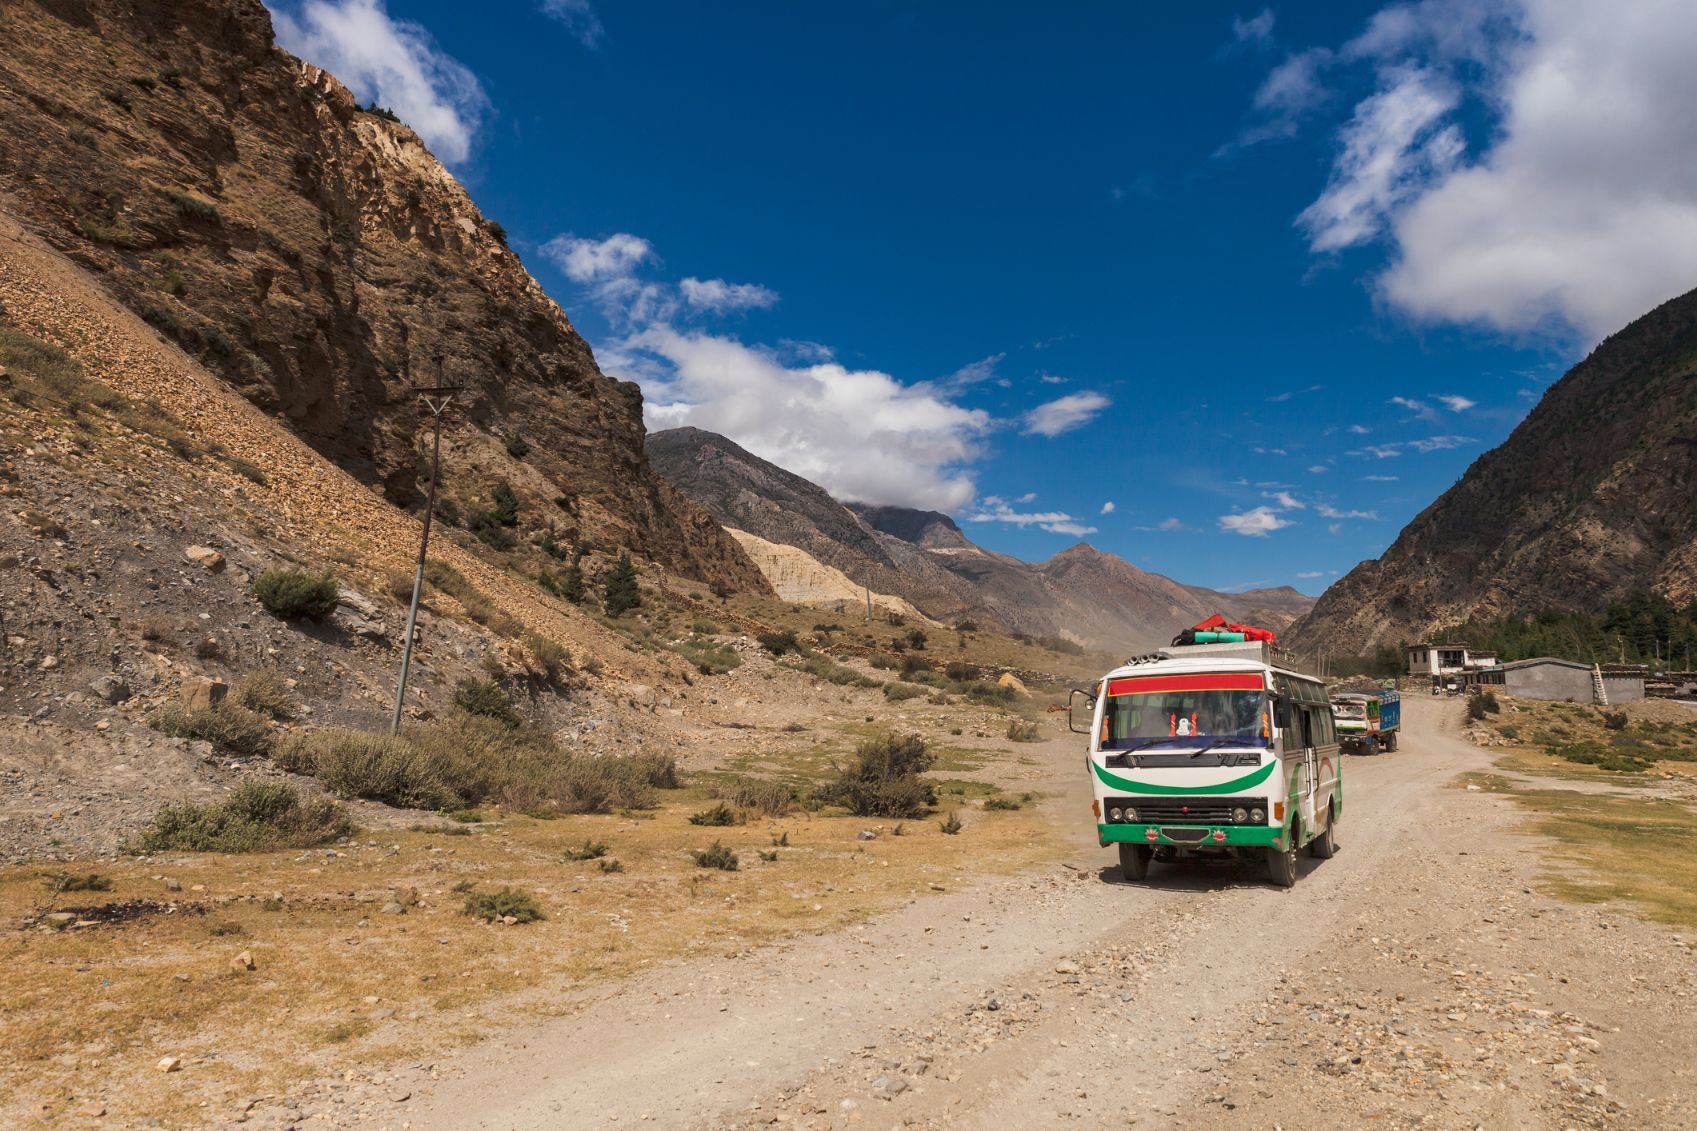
column 1594, row 495
column 924, row 558
column 319, row 259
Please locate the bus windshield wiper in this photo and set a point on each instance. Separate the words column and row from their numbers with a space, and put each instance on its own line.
column 1197, row 753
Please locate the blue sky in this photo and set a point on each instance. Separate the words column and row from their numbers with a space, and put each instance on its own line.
column 1266, row 280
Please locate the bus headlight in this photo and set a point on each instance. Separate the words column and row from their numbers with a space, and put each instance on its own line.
column 1257, row 816
column 1131, row 816
column 1114, row 814
column 1240, row 815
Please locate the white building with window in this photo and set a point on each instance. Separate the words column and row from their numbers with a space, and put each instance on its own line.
column 1448, row 659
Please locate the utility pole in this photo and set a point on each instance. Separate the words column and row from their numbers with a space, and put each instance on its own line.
column 436, row 398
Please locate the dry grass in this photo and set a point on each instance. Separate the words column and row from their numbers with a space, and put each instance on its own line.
column 111, row 993
column 1617, row 847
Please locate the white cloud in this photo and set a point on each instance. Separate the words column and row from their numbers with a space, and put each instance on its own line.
column 975, row 372
column 1290, row 93
column 1439, row 443
column 1360, row 429
column 861, row 434
column 1108, row 507
column 1170, row 524
column 1063, row 415
column 1333, row 512
column 394, row 63
column 1311, row 573
column 1029, row 496
column 1257, row 31
column 717, row 295
column 1419, row 408
column 1578, row 212
column 1456, row 403
column 1257, row 522
column 1380, row 451
column 1334, row 528
column 995, row 509
column 598, row 261
column 1285, row 500
column 579, row 18
column 1318, row 469
column 1051, row 379
column 1380, row 478
column 1280, row 398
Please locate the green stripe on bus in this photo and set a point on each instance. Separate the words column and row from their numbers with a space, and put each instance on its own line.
column 1234, row 786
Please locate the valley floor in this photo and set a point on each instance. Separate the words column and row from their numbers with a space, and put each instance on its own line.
column 1417, row 979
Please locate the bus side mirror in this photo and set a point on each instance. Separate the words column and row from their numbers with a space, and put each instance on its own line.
column 1089, row 704
column 1281, row 713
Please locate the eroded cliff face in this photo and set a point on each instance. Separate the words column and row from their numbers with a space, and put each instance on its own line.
column 1593, row 496
column 319, row 258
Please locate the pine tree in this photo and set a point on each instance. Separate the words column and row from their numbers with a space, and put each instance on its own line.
column 622, row 593
column 506, row 509
column 571, row 583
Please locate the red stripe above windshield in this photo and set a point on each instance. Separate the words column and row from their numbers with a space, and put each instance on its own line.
column 1149, row 685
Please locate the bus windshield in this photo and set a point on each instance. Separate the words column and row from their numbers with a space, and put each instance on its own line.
column 1349, row 709
column 1184, row 710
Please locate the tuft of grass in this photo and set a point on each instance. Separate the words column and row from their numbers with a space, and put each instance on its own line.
column 1005, row 804
column 591, row 850
column 769, row 798
column 717, row 856
column 1023, row 730
column 257, row 816
column 87, row 881
column 487, row 699
column 778, row 643
column 950, row 825
column 264, row 693
column 720, row 816
column 896, row 692
column 609, row 866
column 507, row 903
column 770, row 857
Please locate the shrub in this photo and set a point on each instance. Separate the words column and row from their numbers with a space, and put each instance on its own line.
column 897, row 692
column 194, row 207
column 1000, row 803
column 378, row 767
column 591, row 850
column 551, row 658
column 622, row 592
column 517, row 447
column 770, row 857
column 1614, row 720
column 1023, row 730
column 290, row 593
column 485, row 698
column 720, row 816
column 708, row 656
column 882, row 661
column 258, row 816
column 916, row 639
column 508, row 903
column 951, row 824
column 715, row 856
column 778, row 643
column 770, row 798
column 609, row 866
column 263, row 693
column 232, row 730
column 883, row 780
column 961, row 672
column 1509, row 730
column 912, row 665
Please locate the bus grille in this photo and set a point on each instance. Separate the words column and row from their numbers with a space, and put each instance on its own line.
column 1180, row 810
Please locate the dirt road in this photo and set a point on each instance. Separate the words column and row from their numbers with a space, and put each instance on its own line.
column 1413, row 980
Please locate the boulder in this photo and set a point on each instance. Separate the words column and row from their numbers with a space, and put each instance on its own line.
column 110, row 689
column 206, row 558
column 203, row 694
column 242, row 961
column 1008, row 679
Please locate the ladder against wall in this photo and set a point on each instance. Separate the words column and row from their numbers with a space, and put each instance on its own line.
column 1597, row 689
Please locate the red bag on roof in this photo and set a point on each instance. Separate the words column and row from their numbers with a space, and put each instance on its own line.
column 1250, row 632
column 1213, row 622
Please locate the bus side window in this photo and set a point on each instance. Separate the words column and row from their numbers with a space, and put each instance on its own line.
column 1306, row 714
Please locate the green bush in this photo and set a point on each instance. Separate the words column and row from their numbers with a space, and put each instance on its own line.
column 257, row 817
column 1509, row 731
column 232, row 730
column 715, row 856
column 517, row 447
column 896, row 692
column 290, row 593
column 622, row 593
column 1614, row 720
column 551, row 657
column 778, row 643
column 508, row 903
column 951, row 824
column 883, row 780
column 485, row 698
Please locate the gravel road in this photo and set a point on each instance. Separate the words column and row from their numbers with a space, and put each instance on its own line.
column 1413, row 980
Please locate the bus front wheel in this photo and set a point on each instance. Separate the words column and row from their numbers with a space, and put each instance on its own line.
column 1281, row 863
column 1134, row 861
column 1323, row 847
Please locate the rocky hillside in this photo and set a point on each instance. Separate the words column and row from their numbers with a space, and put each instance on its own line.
column 318, row 258
column 1590, row 498
column 924, row 558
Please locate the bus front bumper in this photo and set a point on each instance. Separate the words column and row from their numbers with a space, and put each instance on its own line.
column 1185, row 836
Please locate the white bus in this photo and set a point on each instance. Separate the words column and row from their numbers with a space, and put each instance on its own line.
column 1214, row 750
